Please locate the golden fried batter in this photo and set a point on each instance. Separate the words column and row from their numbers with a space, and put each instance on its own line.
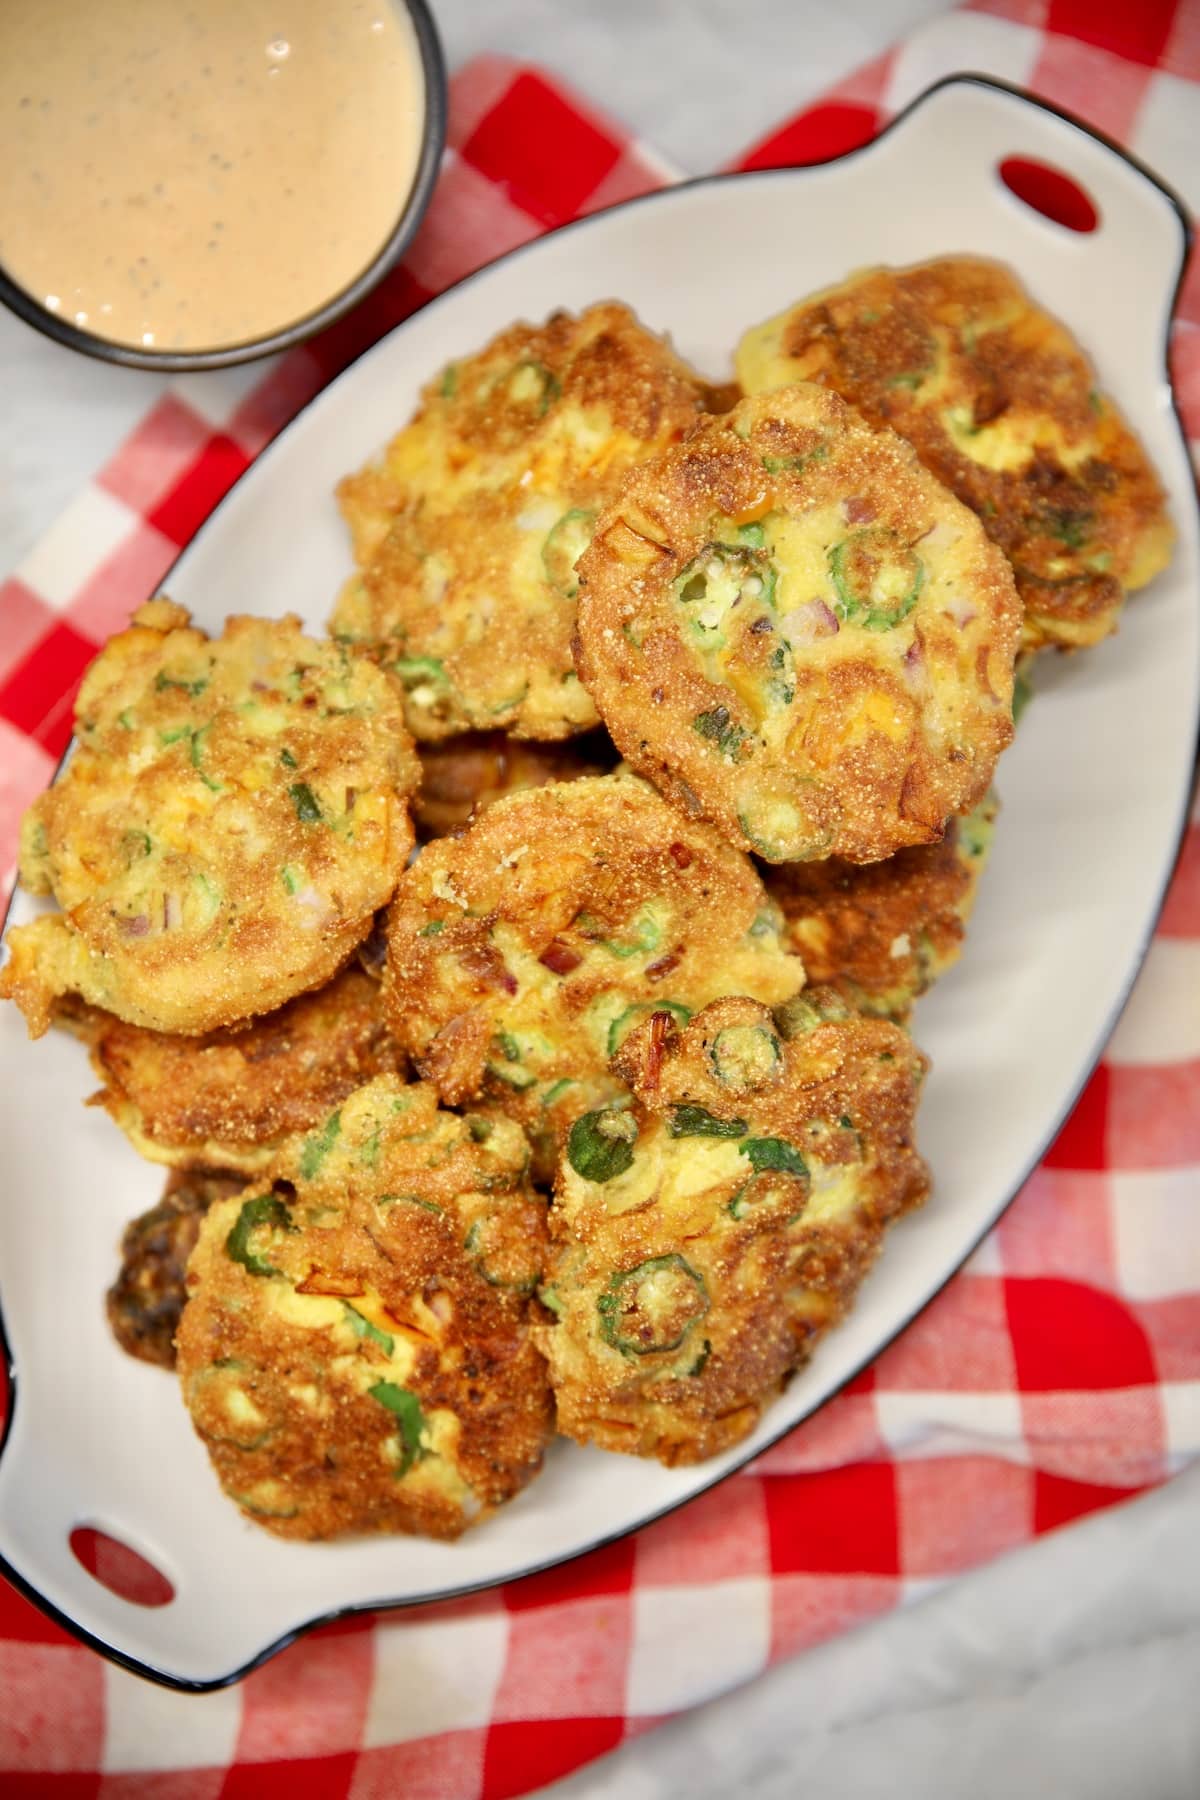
column 999, row 401
column 232, row 816
column 884, row 932
column 466, row 533
column 229, row 1099
column 463, row 775
column 145, row 1301
column 522, row 953
column 795, row 631
column 356, row 1350
column 707, row 1233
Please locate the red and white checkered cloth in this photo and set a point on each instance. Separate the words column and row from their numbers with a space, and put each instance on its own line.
column 1058, row 1373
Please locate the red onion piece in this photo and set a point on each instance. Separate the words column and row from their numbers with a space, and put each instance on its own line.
column 806, row 624
column 559, row 957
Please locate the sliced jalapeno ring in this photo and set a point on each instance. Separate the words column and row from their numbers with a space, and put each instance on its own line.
column 264, row 1210
column 723, row 575
column 877, row 581
column 745, row 1057
column 651, row 1309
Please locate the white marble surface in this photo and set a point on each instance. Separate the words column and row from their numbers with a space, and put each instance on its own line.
column 1069, row 1669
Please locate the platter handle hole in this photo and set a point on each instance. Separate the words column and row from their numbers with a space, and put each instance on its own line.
column 1049, row 191
column 122, row 1570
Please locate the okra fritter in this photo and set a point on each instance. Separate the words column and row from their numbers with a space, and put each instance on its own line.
column 233, row 814
column 466, row 533
column 884, row 932
column 463, row 775
column 147, row 1298
column 795, row 631
column 702, row 1231
column 521, row 953
column 1000, row 402
column 356, row 1350
column 229, row 1099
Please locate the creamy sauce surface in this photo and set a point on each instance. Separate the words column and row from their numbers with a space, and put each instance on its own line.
column 189, row 176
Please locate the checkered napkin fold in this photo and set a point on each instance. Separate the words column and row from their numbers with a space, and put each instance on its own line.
column 1057, row 1373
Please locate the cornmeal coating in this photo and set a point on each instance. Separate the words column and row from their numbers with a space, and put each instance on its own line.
column 707, row 1231
column 522, row 953
column 792, row 629
column 1002, row 404
column 145, row 1301
column 467, row 531
column 231, row 1099
column 463, row 775
column 884, row 932
column 233, row 814
column 356, row 1351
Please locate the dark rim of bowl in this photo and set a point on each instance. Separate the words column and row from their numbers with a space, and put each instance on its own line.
column 173, row 362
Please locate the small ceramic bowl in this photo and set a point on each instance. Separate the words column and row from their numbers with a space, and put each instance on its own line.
column 415, row 201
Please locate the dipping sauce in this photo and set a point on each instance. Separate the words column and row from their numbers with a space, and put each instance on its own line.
column 188, row 177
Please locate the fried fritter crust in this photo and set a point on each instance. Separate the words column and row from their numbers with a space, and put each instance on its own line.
column 232, row 816
column 884, row 932
column 466, row 532
column 791, row 628
column 229, row 1099
column 145, row 1301
column 1000, row 402
column 463, row 775
column 520, row 954
column 708, row 1234
column 356, row 1350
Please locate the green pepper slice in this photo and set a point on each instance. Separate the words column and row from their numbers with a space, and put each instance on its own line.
column 877, row 580
column 363, row 1328
column 533, row 381
column 720, row 729
column 317, row 1146
column 650, row 1309
column 305, row 802
column 697, row 1121
column 565, row 543
column 264, row 1210
column 773, row 1153
column 407, row 1408
column 600, row 1144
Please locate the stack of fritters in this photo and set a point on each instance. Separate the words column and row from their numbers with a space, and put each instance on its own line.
column 800, row 631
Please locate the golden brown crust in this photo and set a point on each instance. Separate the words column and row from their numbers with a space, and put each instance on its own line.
column 145, row 1302
column 759, row 1171
column 232, row 816
column 356, row 1350
column 884, row 932
column 466, row 533
column 1001, row 404
column 792, row 629
column 229, row 1099
column 520, row 953
column 464, row 774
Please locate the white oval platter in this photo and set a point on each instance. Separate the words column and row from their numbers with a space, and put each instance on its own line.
column 1094, row 795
